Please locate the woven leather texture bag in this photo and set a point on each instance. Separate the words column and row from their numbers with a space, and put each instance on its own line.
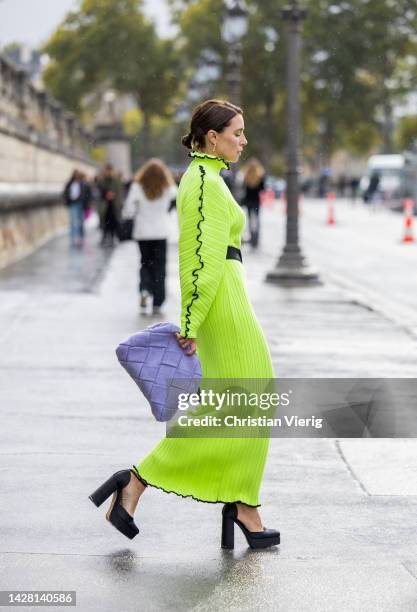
column 160, row 367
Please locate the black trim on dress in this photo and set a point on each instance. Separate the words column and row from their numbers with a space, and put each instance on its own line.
column 195, row 295
column 206, row 156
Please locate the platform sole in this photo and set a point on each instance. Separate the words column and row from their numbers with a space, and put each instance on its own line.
column 265, row 543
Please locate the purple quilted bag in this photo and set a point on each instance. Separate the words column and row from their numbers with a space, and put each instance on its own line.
column 160, row 367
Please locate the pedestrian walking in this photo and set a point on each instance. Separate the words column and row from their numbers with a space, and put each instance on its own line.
column 323, row 182
column 74, row 197
column 354, row 186
column 342, row 182
column 111, row 191
column 148, row 203
column 217, row 322
column 372, row 193
column 253, row 185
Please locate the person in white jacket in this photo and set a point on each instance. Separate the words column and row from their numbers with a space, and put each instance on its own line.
column 149, row 201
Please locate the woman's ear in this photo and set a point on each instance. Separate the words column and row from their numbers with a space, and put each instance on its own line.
column 211, row 137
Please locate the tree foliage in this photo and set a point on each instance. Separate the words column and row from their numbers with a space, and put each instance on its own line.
column 356, row 66
column 352, row 68
column 111, row 42
column 358, row 63
column 407, row 133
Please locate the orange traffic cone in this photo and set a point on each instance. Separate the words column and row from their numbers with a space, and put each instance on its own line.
column 269, row 197
column 331, row 219
column 408, row 220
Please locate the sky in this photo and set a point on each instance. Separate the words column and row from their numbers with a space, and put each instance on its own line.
column 33, row 21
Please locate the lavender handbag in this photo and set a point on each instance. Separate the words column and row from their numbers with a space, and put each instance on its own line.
column 160, row 367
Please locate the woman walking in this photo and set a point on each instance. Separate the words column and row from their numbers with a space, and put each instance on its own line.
column 111, row 192
column 217, row 321
column 148, row 203
column 253, row 183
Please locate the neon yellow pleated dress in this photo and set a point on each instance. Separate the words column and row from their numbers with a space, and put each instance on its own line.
column 215, row 309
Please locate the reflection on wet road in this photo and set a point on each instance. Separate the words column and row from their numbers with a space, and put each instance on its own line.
column 58, row 267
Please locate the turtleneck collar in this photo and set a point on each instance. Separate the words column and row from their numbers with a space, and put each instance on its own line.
column 217, row 162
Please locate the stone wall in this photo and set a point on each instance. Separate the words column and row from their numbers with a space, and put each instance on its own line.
column 31, row 222
column 22, row 161
column 40, row 145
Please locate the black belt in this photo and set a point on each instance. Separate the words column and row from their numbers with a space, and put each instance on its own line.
column 233, row 253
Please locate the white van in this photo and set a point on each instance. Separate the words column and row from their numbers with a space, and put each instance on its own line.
column 397, row 178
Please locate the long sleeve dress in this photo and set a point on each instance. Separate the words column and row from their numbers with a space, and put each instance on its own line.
column 215, row 309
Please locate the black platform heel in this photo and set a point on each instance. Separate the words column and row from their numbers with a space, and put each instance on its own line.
column 116, row 514
column 255, row 539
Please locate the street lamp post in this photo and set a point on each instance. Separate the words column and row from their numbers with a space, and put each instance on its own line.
column 234, row 28
column 292, row 268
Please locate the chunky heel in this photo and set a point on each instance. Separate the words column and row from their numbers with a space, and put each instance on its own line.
column 107, row 488
column 228, row 532
column 255, row 539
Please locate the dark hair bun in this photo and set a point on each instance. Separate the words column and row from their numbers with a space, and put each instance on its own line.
column 187, row 140
column 209, row 115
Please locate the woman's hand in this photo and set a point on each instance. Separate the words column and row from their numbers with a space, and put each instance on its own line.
column 187, row 342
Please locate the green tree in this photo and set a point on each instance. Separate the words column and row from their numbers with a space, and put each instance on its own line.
column 356, row 66
column 406, row 135
column 354, row 69
column 390, row 38
column 337, row 97
column 263, row 81
column 262, row 68
column 112, row 43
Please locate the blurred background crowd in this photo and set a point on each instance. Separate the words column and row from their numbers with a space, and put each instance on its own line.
column 110, row 88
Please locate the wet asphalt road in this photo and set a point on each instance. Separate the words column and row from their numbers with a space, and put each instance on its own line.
column 346, row 508
column 57, row 267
